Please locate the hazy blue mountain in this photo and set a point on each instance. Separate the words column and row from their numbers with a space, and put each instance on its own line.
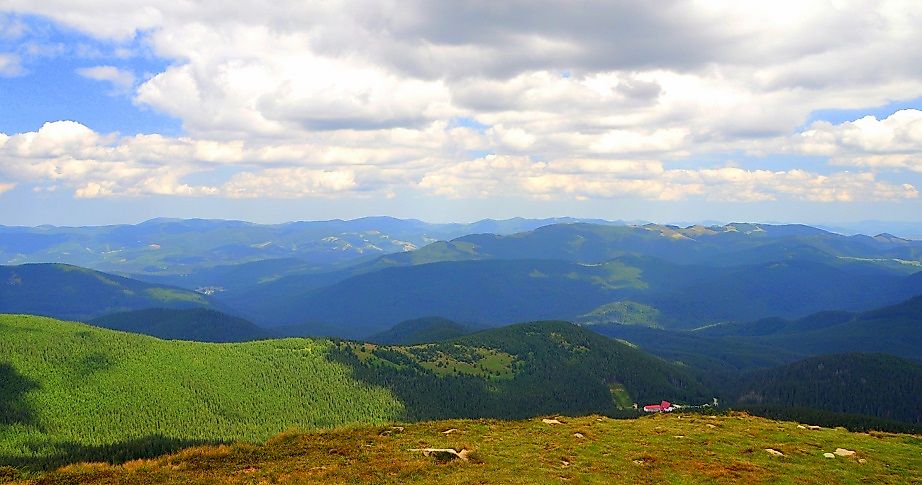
column 716, row 356
column 487, row 292
column 732, row 244
column 182, row 246
column 494, row 292
column 905, row 229
column 713, row 251
column 74, row 293
column 236, row 277
column 895, row 330
column 196, row 324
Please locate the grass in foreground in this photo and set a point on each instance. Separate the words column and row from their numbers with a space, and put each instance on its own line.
column 592, row 449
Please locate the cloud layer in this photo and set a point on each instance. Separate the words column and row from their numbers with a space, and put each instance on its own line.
column 626, row 99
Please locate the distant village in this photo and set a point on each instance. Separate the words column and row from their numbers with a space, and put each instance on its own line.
column 666, row 406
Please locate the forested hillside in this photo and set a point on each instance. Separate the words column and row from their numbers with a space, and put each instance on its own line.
column 714, row 357
column 75, row 293
column 521, row 370
column 870, row 384
column 896, row 330
column 70, row 390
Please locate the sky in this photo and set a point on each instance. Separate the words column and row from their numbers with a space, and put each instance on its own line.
column 787, row 111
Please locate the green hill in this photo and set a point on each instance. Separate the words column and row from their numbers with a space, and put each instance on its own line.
column 521, row 370
column 75, row 293
column 72, row 391
column 196, row 324
column 869, row 384
column 588, row 449
column 422, row 330
column 69, row 389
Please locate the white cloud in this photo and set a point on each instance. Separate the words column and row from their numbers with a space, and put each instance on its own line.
column 289, row 183
column 323, row 98
column 68, row 154
column 5, row 187
column 493, row 175
column 892, row 142
column 122, row 80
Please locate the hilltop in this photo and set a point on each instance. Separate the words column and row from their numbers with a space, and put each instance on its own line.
column 593, row 449
column 422, row 330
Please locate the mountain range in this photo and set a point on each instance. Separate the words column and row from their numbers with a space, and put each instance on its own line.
column 554, row 317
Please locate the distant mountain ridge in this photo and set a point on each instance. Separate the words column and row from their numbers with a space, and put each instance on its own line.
column 165, row 246
column 498, row 291
column 75, row 293
column 195, row 324
column 895, row 329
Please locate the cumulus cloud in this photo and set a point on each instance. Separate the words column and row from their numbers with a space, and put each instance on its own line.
column 357, row 97
column 93, row 165
column 120, row 79
column 490, row 175
column 290, row 183
column 892, row 142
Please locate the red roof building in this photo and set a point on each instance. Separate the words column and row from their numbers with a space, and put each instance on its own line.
column 663, row 406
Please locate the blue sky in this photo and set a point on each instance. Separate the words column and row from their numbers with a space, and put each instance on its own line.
column 117, row 114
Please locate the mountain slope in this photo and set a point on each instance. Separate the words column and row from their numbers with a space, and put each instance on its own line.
column 716, row 357
column 79, row 386
column 69, row 390
column 869, row 384
column 196, row 324
column 488, row 292
column 787, row 289
column 896, row 330
column 71, row 292
column 521, row 370
column 493, row 291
